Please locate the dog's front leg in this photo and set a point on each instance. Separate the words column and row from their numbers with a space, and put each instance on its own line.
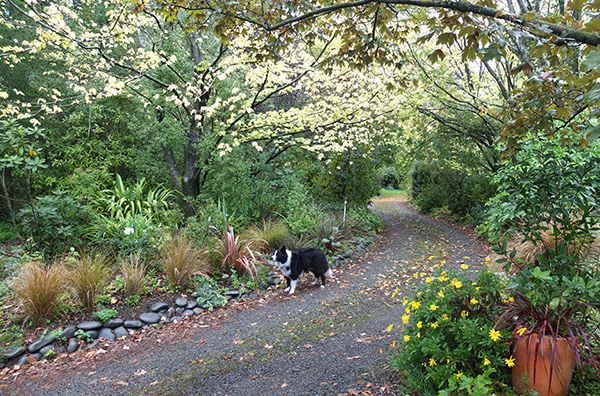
column 292, row 287
column 288, row 281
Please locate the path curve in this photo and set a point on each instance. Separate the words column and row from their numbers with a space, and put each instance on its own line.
column 318, row 342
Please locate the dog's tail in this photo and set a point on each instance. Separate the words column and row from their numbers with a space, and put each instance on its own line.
column 329, row 274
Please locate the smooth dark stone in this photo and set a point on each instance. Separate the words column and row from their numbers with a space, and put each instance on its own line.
column 114, row 323
column 191, row 304
column 47, row 349
column 2, row 365
column 170, row 312
column 73, row 345
column 37, row 356
column 159, row 306
column 232, row 293
column 181, row 302
column 188, row 312
column 92, row 333
column 68, row 333
column 93, row 344
column 39, row 344
column 13, row 352
column 59, row 349
column 22, row 361
column 106, row 334
column 85, row 326
column 150, row 317
column 198, row 310
column 133, row 324
column 179, row 310
column 120, row 331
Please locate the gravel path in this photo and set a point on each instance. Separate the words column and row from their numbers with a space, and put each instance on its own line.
column 331, row 341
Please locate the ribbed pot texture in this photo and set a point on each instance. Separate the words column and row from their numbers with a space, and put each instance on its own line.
column 532, row 374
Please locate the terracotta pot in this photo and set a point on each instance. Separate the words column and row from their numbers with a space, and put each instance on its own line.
column 523, row 375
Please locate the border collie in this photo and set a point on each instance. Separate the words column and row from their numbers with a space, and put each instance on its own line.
column 292, row 264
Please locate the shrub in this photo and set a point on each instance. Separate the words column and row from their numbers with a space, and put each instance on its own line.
column 133, row 273
column 450, row 333
column 38, row 289
column 88, row 274
column 267, row 235
column 56, row 223
column 105, row 315
column 436, row 186
column 209, row 294
column 181, row 260
column 128, row 236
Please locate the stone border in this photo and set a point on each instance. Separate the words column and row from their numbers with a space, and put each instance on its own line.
column 160, row 313
column 73, row 337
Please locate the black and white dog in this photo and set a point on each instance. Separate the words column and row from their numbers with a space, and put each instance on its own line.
column 292, row 264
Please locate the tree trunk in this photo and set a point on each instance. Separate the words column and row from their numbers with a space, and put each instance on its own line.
column 8, row 204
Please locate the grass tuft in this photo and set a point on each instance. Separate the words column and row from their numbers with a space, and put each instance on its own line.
column 181, row 260
column 133, row 271
column 38, row 289
column 266, row 235
column 88, row 274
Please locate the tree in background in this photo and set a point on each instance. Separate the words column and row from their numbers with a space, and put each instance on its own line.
column 202, row 95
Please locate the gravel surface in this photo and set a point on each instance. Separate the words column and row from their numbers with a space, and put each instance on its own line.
column 331, row 341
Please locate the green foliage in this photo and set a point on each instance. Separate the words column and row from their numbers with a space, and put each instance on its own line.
column 7, row 232
column 211, row 219
column 267, row 234
column 128, row 236
column 123, row 202
column 550, row 185
column 132, row 300
column 351, row 175
column 38, row 289
column 105, row 315
column 209, row 294
column 82, row 335
column 389, row 178
column 56, row 223
column 88, row 274
column 20, row 147
column 448, row 335
column 181, row 260
column 547, row 195
column 463, row 193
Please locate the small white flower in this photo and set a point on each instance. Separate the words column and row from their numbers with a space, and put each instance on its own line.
column 128, row 230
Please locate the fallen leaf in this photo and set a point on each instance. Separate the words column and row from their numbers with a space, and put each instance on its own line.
column 140, row 372
column 353, row 392
column 154, row 383
column 284, row 385
column 353, row 358
column 121, row 383
column 91, row 373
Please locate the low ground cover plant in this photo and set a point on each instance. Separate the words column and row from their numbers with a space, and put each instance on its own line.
column 449, row 341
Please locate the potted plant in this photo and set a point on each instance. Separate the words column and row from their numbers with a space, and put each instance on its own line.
column 547, row 203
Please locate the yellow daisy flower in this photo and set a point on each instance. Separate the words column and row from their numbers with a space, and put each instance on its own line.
column 510, row 362
column 495, row 334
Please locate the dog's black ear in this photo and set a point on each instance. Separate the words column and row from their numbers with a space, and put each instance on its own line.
column 276, row 247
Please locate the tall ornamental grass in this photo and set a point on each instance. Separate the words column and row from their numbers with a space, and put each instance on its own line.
column 88, row 274
column 133, row 272
column 38, row 288
column 181, row 260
